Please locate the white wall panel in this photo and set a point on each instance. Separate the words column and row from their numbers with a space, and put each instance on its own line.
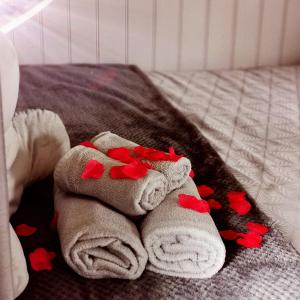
column 247, row 33
column 140, row 32
column 291, row 41
column 28, row 42
column 193, row 34
column 221, row 33
column 271, row 34
column 112, row 32
column 164, row 34
column 167, row 34
column 84, row 30
column 57, row 33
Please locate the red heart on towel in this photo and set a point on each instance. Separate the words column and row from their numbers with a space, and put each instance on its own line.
column 192, row 174
column 121, row 154
column 257, row 228
column 93, row 170
column 214, row 204
column 25, row 230
column 88, row 144
column 205, row 190
column 153, row 154
column 191, row 202
column 134, row 170
column 41, row 259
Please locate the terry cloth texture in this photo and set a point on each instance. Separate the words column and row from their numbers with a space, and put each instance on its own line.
column 132, row 197
column 182, row 242
column 96, row 241
column 175, row 172
column 121, row 99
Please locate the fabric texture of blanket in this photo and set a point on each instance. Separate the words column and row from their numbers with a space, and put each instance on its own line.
column 96, row 241
column 132, row 197
column 121, row 99
column 176, row 172
column 182, row 242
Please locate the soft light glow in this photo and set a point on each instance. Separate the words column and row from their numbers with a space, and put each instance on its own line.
column 14, row 13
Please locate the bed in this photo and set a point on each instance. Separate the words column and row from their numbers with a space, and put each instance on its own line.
column 91, row 99
column 234, row 113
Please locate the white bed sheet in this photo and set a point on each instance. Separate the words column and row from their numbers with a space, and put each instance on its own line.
column 251, row 118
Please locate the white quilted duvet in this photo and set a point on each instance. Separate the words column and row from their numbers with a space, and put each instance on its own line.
column 251, row 118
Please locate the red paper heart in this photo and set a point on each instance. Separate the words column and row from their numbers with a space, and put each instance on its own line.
column 88, row 144
column 153, row 154
column 205, row 190
column 134, row 170
column 121, row 154
column 53, row 223
column 249, row 240
column 41, row 259
column 214, row 204
column 93, row 170
column 25, row 230
column 192, row 174
column 257, row 228
column 173, row 156
column 236, row 196
column 191, row 202
column 240, row 207
column 229, row 234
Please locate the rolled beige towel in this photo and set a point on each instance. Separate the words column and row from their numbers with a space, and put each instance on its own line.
column 132, row 197
column 96, row 241
column 176, row 172
column 182, row 242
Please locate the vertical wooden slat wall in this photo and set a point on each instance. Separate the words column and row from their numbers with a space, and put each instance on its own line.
column 164, row 34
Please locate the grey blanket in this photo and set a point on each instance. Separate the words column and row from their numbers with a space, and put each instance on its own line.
column 121, row 99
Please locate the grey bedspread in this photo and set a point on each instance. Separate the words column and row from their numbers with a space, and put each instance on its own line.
column 91, row 99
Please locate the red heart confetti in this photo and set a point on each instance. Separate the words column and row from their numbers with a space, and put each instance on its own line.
column 173, row 156
column 238, row 202
column 53, row 223
column 192, row 174
column 205, row 190
column 93, row 170
column 191, row 202
column 88, row 144
column 121, row 154
column 214, row 204
column 25, row 230
column 134, row 170
column 41, row 259
column 155, row 155
column 249, row 240
column 236, row 196
column 257, row 228
column 229, row 234
column 242, row 208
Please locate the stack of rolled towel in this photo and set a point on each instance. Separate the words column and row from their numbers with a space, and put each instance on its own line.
column 98, row 237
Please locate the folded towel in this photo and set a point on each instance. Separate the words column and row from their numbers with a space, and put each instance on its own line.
column 96, row 241
column 132, row 197
column 176, row 172
column 182, row 242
